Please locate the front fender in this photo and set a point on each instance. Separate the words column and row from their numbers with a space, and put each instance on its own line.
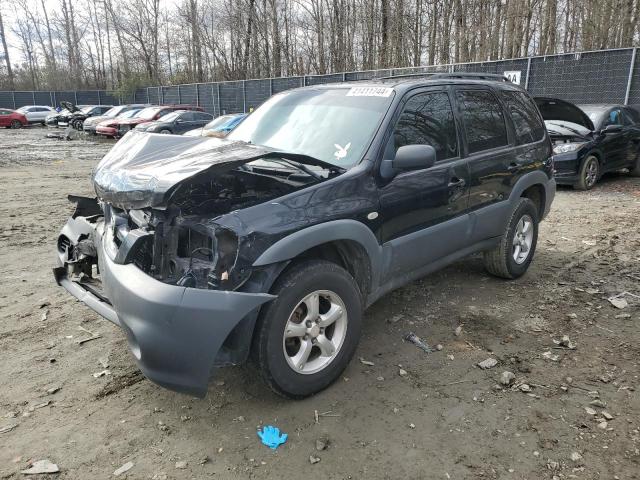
column 302, row 240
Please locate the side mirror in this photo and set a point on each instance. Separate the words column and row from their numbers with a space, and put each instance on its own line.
column 408, row 157
column 611, row 129
column 413, row 157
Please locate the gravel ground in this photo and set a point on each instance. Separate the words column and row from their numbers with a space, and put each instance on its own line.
column 440, row 417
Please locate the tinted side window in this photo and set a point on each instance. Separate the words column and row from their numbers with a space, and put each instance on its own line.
column 483, row 120
column 427, row 118
column 203, row 116
column 526, row 120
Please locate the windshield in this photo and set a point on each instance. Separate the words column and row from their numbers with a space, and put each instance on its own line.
column 219, row 122
column 87, row 109
column 334, row 125
column 130, row 113
column 23, row 109
column 148, row 113
column 170, row 117
column 114, row 111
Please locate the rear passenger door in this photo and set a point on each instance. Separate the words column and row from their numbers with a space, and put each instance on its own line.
column 488, row 147
column 421, row 209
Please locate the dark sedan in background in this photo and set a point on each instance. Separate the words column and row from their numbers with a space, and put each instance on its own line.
column 590, row 140
column 177, row 122
column 76, row 117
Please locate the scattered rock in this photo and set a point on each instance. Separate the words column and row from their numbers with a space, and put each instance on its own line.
column 507, row 378
column 53, row 390
column 623, row 315
column 439, row 347
column 598, row 403
column 590, row 410
column 104, row 362
column 380, row 379
column 603, row 425
column 366, row 362
column 607, row 415
column 313, row 459
column 204, row 460
column 569, row 380
column 458, row 331
column 451, row 357
column 566, row 342
column 402, row 372
column 524, row 388
column 181, row 465
column 488, row 363
column 321, row 444
column 41, row 466
column 412, row 425
column 101, row 374
column 548, row 355
column 575, row 457
column 572, row 316
column 124, row 468
column 618, row 302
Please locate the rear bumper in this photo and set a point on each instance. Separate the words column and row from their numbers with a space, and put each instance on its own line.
column 174, row 333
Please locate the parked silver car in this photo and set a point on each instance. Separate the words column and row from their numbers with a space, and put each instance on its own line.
column 36, row 113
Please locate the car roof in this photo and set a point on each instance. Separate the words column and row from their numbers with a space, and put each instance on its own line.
column 403, row 83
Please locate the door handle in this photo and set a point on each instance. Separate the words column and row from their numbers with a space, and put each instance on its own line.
column 513, row 166
column 456, row 182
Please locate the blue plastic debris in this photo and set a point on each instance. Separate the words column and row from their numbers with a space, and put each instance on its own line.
column 271, row 437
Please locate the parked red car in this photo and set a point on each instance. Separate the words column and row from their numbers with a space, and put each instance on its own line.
column 12, row 119
column 118, row 127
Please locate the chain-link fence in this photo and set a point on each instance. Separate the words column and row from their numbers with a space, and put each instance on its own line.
column 603, row 76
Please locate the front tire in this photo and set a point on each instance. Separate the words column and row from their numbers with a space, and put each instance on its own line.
column 512, row 257
column 589, row 173
column 305, row 338
column 165, row 131
column 15, row 124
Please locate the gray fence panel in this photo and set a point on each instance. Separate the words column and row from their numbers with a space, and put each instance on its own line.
column 231, row 98
column 282, row 84
column 6, row 100
column 206, row 97
column 189, row 94
column 64, row 96
column 43, row 98
column 154, row 95
column 322, row 79
column 170, row 95
column 367, row 75
column 86, row 97
column 23, row 98
column 108, row 99
column 634, row 91
column 258, row 91
column 595, row 77
column 140, row 96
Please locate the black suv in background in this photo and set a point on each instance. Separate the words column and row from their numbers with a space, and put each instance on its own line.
column 271, row 242
column 591, row 140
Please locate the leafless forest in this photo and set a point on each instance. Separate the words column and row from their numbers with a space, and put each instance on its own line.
column 55, row 44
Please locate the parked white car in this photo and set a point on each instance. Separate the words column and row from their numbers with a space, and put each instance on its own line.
column 36, row 113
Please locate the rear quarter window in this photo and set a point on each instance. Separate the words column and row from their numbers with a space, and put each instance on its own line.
column 524, row 114
column 483, row 120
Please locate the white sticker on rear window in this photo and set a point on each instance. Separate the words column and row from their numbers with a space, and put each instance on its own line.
column 370, row 92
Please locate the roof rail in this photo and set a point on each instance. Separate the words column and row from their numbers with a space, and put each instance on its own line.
column 462, row 75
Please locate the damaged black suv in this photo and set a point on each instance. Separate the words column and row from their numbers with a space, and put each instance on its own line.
column 271, row 242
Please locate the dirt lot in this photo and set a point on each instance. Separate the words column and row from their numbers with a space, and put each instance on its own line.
column 445, row 418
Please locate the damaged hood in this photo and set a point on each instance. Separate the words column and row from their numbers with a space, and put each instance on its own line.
column 69, row 107
column 142, row 168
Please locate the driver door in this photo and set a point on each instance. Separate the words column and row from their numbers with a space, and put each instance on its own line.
column 421, row 209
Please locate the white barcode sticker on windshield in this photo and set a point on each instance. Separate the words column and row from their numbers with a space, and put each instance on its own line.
column 370, row 92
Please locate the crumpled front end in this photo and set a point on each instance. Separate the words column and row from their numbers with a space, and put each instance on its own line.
column 175, row 331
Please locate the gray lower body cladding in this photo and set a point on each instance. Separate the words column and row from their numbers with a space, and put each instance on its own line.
column 175, row 333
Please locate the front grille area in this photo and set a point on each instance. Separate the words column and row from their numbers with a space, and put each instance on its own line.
column 64, row 244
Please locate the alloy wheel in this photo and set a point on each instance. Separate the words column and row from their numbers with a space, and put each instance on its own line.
column 591, row 173
column 522, row 239
column 315, row 332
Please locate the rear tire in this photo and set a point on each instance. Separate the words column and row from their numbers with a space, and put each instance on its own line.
column 290, row 326
column 589, row 173
column 512, row 257
column 165, row 131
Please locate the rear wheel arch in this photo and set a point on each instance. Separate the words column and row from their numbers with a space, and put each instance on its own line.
column 537, row 194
